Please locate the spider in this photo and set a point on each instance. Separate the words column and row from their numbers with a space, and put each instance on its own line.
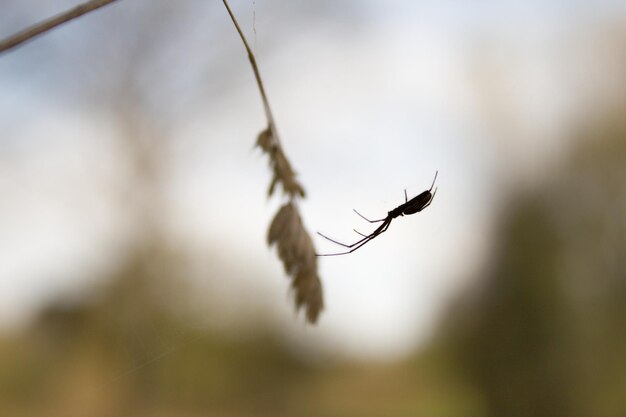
column 412, row 206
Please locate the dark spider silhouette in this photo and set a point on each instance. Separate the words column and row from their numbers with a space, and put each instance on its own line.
column 412, row 206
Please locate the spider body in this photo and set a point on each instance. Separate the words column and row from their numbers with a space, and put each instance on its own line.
column 412, row 206
column 417, row 203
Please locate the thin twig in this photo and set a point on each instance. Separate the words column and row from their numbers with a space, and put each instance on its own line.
column 42, row 27
column 257, row 74
column 269, row 140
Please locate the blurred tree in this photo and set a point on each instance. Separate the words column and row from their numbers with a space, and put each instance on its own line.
column 545, row 332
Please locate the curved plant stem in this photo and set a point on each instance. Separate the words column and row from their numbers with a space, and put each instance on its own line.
column 257, row 74
column 42, row 27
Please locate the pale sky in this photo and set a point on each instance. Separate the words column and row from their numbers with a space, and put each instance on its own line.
column 370, row 98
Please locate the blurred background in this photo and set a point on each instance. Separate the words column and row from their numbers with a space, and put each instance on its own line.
column 134, row 274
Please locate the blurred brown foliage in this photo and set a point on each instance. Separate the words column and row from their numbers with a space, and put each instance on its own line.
column 543, row 333
column 125, row 352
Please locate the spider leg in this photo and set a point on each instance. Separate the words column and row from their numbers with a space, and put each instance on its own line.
column 371, row 221
column 406, row 199
column 343, row 244
column 359, row 233
column 363, row 241
column 346, row 252
column 371, row 235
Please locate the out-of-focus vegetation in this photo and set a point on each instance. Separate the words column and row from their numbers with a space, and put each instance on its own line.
column 542, row 334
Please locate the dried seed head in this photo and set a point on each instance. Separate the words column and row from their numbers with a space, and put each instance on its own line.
column 296, row 251
column 281, row 168
column 294, row 244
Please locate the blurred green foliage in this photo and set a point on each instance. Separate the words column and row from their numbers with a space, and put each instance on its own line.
column 542, row 333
